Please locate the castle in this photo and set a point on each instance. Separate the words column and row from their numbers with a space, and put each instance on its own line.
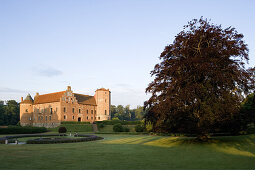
column 49, row 110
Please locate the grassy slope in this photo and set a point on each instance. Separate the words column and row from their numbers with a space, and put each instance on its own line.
column 133, row 152
column 75, row 128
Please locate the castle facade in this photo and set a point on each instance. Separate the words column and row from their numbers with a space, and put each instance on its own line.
column 49, row 110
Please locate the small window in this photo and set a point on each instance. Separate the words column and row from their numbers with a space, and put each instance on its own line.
column 73, row 110
column 26, row 110
column 30, row 118
column 42, row 117
column 64, row 116
column 91, row 111
column 91, row 118
column 51, row 111
column 105, row 112
column 45, row 117
column 79, row 110
column 98, row 118
column 87, row 118
column 73, row 117
column 64, row 109
column 87, row 111
column 49, row 117
column 95, row 112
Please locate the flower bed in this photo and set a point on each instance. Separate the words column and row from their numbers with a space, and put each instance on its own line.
column 51, row 140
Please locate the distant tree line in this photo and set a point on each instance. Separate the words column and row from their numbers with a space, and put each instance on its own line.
column 125, row 113
column 9, row 112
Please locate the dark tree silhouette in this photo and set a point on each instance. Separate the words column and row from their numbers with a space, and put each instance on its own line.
column 200, row 81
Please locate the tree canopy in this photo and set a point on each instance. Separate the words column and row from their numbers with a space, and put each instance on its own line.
column 201, row 79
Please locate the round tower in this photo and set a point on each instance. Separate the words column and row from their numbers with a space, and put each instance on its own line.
column 103, row 100
column 26, row 111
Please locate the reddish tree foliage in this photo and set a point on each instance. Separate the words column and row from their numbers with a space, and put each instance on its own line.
column 201, row 79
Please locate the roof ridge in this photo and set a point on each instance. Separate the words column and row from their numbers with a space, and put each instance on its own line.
column 83, row 94
column 52, row 93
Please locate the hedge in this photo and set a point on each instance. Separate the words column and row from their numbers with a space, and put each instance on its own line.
column 113, row 122
column 72, row 122
column 22, row 130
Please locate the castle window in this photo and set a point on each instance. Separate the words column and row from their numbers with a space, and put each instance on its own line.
column 64, row 116
column 105, row 112
column 98, row 118
column 26, row 110
column 87, row 118
column 50, row 110
column 79, row 110
column 49, row 117
column 64, row 109
column 73, row 110
column 87, row 111
column 45, row 117
column 73, row 117
column 91, row 111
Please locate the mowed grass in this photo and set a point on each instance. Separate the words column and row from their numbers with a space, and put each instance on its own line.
column 134, row 152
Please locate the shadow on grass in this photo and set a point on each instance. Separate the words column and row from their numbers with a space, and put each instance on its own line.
column 234, row 145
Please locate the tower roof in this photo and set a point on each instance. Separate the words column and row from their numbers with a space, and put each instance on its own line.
column 28, row 99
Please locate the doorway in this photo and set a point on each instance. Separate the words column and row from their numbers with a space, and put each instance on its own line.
column 79, row 119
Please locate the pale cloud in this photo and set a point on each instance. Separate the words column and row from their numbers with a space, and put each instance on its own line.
column 10, row 90
column 48, row 71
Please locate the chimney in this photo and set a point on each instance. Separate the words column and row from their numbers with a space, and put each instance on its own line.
column 21, row 99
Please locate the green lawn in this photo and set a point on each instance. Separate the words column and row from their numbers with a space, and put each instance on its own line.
column 134, row 152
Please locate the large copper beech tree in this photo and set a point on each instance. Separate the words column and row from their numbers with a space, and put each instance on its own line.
column 200, row 81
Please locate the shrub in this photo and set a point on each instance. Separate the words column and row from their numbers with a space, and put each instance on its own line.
column 118, row 128
column 149, row 126
column 139, row 128
column 62, row 130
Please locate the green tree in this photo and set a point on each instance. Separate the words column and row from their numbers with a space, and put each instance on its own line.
column 11, row 112
column 248, row 109
column 2, row 113
column 200, row 81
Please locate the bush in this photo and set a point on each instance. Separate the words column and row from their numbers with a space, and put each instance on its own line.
column 118, row 128
column 62, row 130
column 22, row 130
column 139, row 128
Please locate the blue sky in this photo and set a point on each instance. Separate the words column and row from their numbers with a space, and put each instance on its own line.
column 46, row 45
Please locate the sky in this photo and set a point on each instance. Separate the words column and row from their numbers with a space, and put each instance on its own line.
column 47, row 45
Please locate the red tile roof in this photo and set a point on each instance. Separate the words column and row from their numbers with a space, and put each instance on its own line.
column 55, row 97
